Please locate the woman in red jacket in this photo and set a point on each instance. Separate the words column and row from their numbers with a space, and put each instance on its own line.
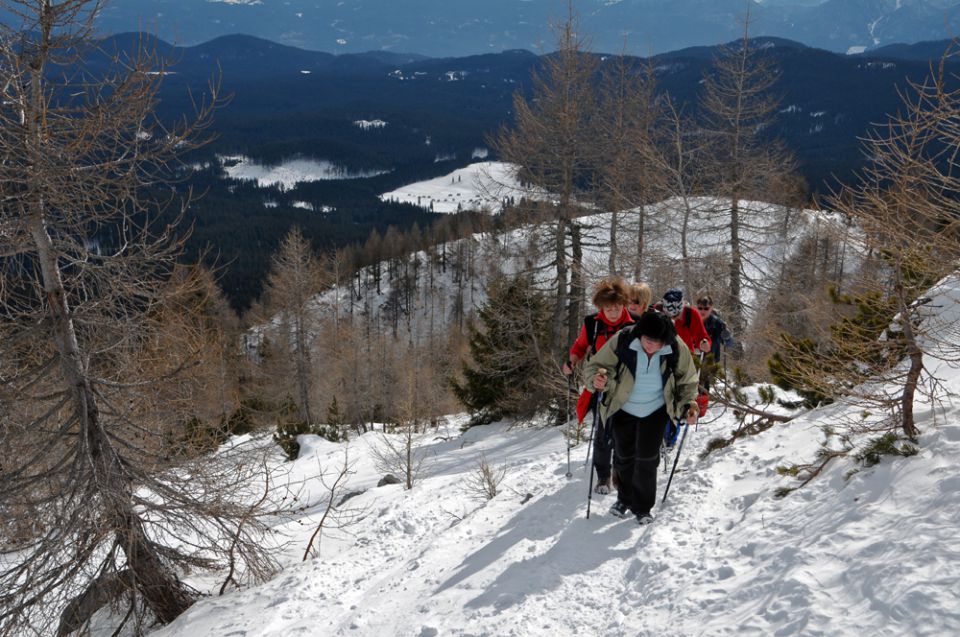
column 690, row 330
column 687, row 320
column 611, row 297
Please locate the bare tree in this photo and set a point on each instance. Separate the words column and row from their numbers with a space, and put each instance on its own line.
column 87, row 489
column 293, row 320
column 628, row 113
column 400, row 449
column 742, row 160
column 484, row 482
column 550, row 144
column 907, row 215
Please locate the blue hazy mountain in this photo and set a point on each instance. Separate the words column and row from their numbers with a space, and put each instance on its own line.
column 465, row 27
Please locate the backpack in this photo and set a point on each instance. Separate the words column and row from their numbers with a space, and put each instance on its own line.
column 627, row 356
column 595, row 327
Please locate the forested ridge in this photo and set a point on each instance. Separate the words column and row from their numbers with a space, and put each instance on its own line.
column 828, row 101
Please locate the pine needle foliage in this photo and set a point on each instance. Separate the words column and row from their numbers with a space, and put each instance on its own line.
column 506, row 373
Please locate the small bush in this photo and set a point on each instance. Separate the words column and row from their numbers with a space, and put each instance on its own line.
column 715, row 444
column 286, row 435
column 767, row 394
column 484, row 482
column 889, row 444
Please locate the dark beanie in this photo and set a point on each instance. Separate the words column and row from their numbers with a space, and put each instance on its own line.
column 655, row 325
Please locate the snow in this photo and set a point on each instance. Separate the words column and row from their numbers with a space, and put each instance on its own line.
column 479, row 186
column 290, row 172
column 367, row 124
column 857, row 551
column 854, row 552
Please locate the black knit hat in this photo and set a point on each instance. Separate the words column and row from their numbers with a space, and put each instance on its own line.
column 655, row 325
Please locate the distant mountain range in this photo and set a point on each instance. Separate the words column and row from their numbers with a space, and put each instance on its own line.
column 432, row 117
column 465, row 27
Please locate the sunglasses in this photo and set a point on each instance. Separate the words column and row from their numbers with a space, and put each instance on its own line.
column 703, row 306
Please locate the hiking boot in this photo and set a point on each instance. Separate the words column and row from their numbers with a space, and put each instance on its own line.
column 619, row 509
column 644, row 519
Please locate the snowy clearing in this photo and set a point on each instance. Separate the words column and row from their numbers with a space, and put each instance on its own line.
column 481, row 186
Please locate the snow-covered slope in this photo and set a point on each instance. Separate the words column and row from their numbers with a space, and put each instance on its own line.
column 858, row 551
column 481, row 186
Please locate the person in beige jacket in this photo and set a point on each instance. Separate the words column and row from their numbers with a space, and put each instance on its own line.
column 647, row 377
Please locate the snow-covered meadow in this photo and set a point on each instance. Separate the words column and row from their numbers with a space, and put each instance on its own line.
column 289, row 173
column 481, row 186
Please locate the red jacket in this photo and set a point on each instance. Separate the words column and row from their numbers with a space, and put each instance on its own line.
column 601, row 329
column 691, row 330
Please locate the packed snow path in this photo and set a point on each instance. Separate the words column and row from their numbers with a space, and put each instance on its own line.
column 872, row 554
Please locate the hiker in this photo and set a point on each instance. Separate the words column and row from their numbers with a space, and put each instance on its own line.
column 610, row 296
column 687, row 322
column 715, row 326
column 719, row 335
column 650, row 380
column 639, row 299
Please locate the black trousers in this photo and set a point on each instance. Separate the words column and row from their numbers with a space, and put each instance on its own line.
column 636, row 456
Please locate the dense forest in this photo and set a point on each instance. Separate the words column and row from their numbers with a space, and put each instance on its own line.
column 438, row 111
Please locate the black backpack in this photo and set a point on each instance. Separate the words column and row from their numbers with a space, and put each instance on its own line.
column 596, row 327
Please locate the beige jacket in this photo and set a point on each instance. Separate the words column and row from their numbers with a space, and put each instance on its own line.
column 679, row 390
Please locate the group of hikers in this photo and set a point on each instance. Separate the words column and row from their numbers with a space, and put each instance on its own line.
column 641, row 379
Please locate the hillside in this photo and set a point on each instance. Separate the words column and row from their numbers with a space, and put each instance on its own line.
column 859, row 550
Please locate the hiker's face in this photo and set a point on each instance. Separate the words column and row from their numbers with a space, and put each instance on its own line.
column 704, row 309
column 612, row 311
column 650, row 345
column 636, row 307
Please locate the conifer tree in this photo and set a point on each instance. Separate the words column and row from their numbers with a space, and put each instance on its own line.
column 506, row 374
column 293, row 322
column 551, row 145
column 741, row 161
column 907, row 214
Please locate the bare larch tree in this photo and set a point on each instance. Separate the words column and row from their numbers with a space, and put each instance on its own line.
column 741, row 160
column 550, row 144
column 93, row 503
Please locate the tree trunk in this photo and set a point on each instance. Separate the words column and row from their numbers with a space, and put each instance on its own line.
column 162, row 590
column 641, row 228
column 737, row 317
column 577, row 285
column 612, row 259
column 303, row 365
column 557, row 333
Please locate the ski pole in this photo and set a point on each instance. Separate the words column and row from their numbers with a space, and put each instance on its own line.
column 569, row 435
column 697, row 427
column 593, row 428
column 676, row 459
